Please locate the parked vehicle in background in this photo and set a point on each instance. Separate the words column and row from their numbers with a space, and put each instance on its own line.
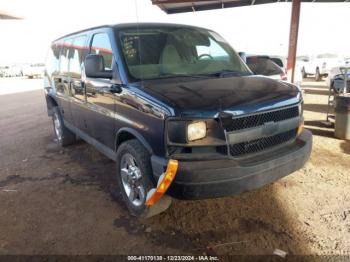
column 178, row 111
column 300, row 64
column 280, row 61
column 6, row 71
column 264, row 65
column 34, row 70
column 2, row 71
column 335, row 78
column 10, row 71
column 321, row 65
column 16, row 70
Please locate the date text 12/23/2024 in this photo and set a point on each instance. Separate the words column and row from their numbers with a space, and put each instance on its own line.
column 173, row 258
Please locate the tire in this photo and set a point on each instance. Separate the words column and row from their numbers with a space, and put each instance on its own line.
column 64, row 136
column 134, row 174
column 318, row 76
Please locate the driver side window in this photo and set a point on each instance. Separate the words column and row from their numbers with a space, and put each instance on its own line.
column 102, row 46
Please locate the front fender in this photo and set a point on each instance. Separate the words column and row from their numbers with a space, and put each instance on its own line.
column 134, row 133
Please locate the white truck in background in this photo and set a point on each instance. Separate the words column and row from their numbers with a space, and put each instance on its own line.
column 320, row 65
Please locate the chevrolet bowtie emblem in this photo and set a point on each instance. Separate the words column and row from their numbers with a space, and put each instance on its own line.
column 270, row 128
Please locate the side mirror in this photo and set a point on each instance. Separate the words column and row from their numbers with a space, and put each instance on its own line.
column 94, row 67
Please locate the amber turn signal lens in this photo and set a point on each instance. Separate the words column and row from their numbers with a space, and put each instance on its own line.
column 301, row 128
column 164, row 182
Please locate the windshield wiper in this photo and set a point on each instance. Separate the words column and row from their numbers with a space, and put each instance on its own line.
column 178, row 75
column 223, row 73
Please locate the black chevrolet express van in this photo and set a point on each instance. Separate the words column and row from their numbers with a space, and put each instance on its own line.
column 177, row 109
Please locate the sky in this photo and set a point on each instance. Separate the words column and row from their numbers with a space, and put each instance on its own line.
column 260, row 29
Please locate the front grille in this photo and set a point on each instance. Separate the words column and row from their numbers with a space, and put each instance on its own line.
column 259, row 119
column 261, row 144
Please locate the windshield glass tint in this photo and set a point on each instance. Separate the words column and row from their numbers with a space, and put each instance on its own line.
column 158, row 52
column 263, row 66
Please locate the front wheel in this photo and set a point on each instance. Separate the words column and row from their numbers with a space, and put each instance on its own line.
column 134, row 175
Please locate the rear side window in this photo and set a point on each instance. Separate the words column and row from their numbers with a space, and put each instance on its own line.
column 263, row 66
column 101, row 45
column 64, row 56
column 53, row 58
column 77, row 56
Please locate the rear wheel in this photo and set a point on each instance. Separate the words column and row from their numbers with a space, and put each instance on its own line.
column 134, row 175
column 318, row 76
column 64, row 136
column 303, row 73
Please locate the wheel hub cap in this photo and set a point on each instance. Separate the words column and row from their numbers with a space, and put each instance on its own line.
column 132, row 180
column 57, row 126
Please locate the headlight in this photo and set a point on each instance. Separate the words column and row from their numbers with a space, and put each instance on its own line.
column 196, row 130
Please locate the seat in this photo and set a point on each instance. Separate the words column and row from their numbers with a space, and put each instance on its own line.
column 170, row 55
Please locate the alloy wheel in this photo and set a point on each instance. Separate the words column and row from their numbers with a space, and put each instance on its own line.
column 132, row 180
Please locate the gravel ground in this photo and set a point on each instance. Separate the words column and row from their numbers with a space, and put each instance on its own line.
column 59, row 201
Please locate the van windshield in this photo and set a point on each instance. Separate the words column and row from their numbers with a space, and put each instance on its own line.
column 162, row 52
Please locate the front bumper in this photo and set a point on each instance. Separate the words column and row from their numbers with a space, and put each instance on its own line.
column 224, row 177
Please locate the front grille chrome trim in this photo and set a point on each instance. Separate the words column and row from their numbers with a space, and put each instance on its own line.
column 244, row 122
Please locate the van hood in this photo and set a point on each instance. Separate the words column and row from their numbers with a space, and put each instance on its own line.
column 234, row 95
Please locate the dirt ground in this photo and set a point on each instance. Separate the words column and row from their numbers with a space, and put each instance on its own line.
column 59, row 201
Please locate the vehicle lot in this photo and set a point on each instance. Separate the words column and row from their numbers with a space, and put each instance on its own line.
column 64, row 201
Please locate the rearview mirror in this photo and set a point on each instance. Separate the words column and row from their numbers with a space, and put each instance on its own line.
column 95, row 67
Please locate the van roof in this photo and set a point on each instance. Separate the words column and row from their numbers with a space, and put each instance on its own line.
column 128, row 25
